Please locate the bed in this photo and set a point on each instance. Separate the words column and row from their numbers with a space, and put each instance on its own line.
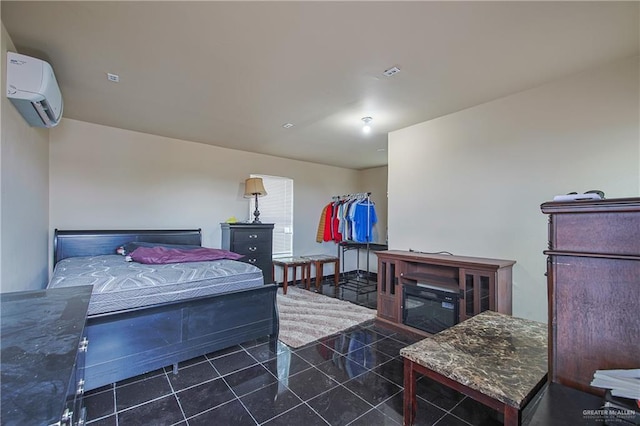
column 140, row 329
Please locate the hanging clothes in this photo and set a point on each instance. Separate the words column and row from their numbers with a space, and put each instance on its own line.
column 335, row 222
column 348, row 218
column 321, row 225
column 341, row 219
column 364, row 217
column 328, row 233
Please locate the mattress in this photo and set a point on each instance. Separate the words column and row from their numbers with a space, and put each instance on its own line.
column 118, row 284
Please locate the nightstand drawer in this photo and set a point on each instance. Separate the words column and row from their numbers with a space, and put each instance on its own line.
column 249, row 236
column 252, row 247
column 259, row 261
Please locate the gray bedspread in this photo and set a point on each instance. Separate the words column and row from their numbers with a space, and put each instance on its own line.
column 119, row 285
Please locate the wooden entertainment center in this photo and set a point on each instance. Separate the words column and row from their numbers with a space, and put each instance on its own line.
column 480, row 284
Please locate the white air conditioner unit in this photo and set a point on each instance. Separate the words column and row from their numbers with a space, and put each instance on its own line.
column 33, row 90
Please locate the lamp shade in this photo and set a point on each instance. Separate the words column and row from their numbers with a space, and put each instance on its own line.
column 254, row 186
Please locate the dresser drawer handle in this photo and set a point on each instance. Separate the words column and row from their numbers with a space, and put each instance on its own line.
column 84, row 345
column 66, row 418
column 252, row 260
column 80, row 389
column 253, row 248
column 252, row 236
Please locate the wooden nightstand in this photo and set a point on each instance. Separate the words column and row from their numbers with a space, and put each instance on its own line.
column 254, row 240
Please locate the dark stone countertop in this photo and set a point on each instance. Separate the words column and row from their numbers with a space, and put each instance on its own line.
column 40, row 335
column 501, row 356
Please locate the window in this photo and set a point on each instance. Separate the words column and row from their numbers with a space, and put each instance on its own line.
column 277, row 207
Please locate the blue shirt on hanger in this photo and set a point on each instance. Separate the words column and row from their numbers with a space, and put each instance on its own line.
column 364, row 217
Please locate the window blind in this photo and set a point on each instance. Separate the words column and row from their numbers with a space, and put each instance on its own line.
column 277, row 207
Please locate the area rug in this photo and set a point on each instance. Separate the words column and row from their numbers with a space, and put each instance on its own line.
column 306, row 316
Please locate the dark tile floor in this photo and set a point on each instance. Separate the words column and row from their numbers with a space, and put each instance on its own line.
column 352, row 378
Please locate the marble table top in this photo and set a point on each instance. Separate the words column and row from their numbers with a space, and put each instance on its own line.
column 41, row 332
column 293, row 260
column 501, row 356
column 320, row 257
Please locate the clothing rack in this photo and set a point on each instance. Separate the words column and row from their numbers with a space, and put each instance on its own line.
column 360, row 284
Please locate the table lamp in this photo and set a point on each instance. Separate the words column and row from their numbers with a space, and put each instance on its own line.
column 255, row 187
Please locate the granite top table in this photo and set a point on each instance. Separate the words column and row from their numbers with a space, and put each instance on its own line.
column 496, row 359
column 41, row 332
column 318, row 261
column 293, row 262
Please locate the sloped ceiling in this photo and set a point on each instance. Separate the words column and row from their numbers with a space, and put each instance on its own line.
column 232, row 73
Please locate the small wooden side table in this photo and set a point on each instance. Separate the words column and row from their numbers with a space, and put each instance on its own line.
column 319, row 260
column 292, row 262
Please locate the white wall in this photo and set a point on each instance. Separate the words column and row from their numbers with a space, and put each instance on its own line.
column 107, row 178
column 24, row 202
column 373, row 180
column 472, row 182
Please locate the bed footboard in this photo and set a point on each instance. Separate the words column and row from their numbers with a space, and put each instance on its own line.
column 129, row 343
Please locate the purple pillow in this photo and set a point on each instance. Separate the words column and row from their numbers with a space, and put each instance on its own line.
column 129, row 247
column 161, row 255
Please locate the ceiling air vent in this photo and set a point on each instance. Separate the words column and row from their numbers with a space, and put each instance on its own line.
column 391, row 71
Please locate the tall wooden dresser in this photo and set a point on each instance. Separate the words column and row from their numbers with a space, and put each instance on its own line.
column 593, row 272
column 254, row 241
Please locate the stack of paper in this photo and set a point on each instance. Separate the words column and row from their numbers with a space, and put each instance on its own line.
column 623, row 383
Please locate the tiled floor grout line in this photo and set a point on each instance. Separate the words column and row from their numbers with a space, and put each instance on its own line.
column 113, row 397
column 358, row 396
column 450, row 412
column 115, row 404
column 388, row 399
column 246, row 409
column 214, row 368
column 360, row 416
column 278, row 380
column 313, row 410
column 446, row 412
column 239, row 400
column 284, row 412
column 209, row 409
column 175, row 394
column 197, row 384
column 331, row 389
column 143, row 403
column 238, row 370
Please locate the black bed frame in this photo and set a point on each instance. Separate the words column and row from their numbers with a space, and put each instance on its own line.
column 131, row 342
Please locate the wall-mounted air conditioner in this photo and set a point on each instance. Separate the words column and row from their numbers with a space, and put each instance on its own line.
column 33, row 90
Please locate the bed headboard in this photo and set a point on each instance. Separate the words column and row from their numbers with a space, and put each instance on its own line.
column 92, row 243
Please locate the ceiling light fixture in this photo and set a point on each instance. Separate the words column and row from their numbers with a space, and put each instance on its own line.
column 366, row 128
column 287, row 125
